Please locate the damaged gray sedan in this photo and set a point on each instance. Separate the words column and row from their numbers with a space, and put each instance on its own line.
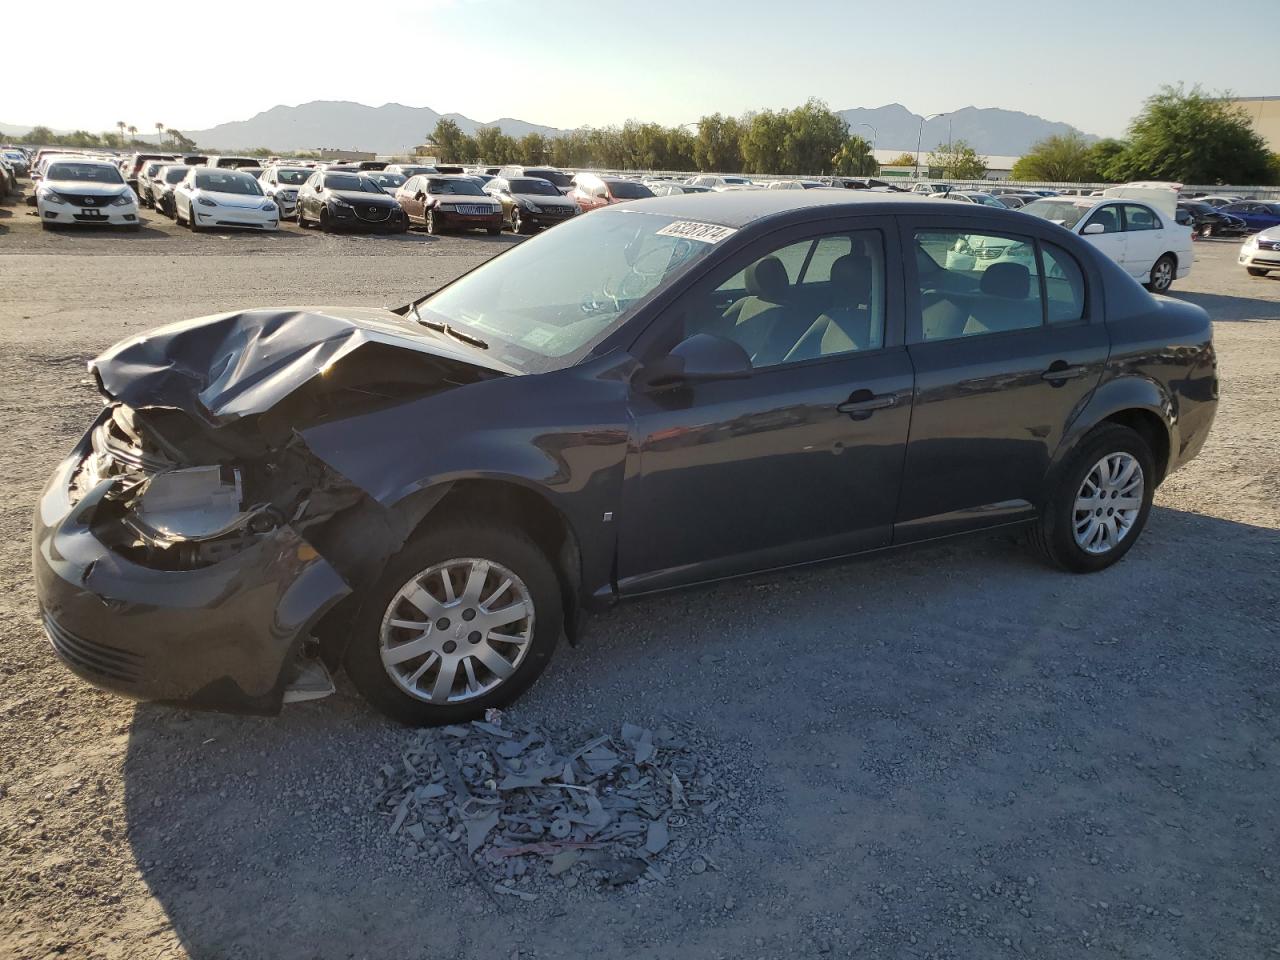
column 664, row 393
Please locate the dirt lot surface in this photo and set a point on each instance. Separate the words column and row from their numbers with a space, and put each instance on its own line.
column 951, row 752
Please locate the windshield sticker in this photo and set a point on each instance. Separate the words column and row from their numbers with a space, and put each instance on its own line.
column 692, row 230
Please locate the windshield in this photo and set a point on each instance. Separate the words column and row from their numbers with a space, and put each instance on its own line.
column 985, row 199
column 555, row 176
column 228, row 182
column 735, row 181
column 464, row 188
column 1067, row 213
column 387, row 180
column 88, row 172
column 539, row 187
column 542, row 305
column 629, row 190
column 293, row 178
column 351, row 181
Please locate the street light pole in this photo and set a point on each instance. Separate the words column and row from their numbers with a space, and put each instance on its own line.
column 920, row 136
column 874, row 137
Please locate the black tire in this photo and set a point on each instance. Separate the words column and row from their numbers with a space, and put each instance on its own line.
column 517, row 225
column 493, row 231
column 429, row 223
column 1052, row 535
column 326, row 222
column 461, row 538
column 1162, row 273
column 191, row 219
column 46, row 225
column 133, row 227
column 1257, row 271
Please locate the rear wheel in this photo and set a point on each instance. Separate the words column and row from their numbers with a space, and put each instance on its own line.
column 1101, row 501
column 465, row 618
column 1256, row 271
column 1162, row 274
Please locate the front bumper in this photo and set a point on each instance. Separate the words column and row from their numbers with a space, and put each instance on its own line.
column 222, row 216
column 220, row 637
column 1260, row 259
column 452, row 220
column 348, row 218
column 62, row 213
column 545, row 219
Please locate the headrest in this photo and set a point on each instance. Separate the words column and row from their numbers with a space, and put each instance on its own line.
column 851, row 278
column 767, row 279
column 1009, row 280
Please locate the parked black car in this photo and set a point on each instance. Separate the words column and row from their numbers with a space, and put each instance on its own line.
column 659, row 394
column 1207, row 220
column 348, row 201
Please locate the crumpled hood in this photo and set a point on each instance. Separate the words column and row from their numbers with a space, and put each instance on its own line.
column 221, row 368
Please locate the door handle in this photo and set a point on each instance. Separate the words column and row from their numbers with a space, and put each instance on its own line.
column 1061, row 370
column 863, row 403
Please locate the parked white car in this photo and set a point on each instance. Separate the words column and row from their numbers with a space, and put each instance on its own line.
column 213, row 197
column 1151, row 247
column 1260, row 253
column 77, row 190
column 282, row 184
column 722, row 183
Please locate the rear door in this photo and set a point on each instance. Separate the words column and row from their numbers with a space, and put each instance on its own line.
column 801, row 460
column 1007, row 346
column 1145, row 238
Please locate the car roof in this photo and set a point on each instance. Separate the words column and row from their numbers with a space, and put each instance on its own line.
column 79, row 158
column 742, row 207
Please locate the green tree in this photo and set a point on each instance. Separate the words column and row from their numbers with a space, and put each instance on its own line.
column 958, row 161
column 493, row 146
column 180, row 140
column 533, row 148
column 814, row 135
column 449, row 139
column 1107, row 157
column 902, row 160
column 39, row 135
column 1192, row 137
column 855, row 159
column 1061, row 158
column 764, row 142
column 719, row 145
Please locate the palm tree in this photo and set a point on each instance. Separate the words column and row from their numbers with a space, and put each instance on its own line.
column 133, row 132
column 160, row 134
column 120, row 124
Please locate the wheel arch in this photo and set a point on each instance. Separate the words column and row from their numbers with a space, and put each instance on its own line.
column 1139, row 403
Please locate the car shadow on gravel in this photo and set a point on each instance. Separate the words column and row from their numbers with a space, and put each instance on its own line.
column 1231, row 309
column 973, row 756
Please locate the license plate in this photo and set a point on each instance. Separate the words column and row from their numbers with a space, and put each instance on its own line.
column 91, row 213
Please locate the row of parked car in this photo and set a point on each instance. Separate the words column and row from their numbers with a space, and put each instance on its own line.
column 1146, row 228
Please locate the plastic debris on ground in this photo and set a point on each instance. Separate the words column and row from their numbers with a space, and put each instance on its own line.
column 517, row 810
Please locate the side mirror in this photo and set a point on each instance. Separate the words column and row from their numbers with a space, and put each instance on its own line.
column 1093, row 228
column 700, row 358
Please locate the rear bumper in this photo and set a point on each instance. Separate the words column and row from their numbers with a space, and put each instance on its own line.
column 220, row 637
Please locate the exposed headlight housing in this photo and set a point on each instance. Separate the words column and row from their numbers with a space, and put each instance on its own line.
column 269, row 205
column 530, row 206
column 206, row 202
column 339, row 202
column 51, row 196
column 123, row 200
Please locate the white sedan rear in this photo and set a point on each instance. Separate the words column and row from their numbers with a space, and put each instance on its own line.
column 212, row 197
column 1151, row 246
column 84, row 191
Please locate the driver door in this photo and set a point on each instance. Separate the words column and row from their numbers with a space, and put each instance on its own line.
column 802, row 459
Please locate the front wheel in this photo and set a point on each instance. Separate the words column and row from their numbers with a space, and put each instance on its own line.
column 517, row 224
column 326, row 222
column 1101, row 502
column 429, row 222
column 465, row 618
column 1162, row 272
column 1256, row 271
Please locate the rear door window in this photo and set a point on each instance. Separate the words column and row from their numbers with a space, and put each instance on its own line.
column 972, row 284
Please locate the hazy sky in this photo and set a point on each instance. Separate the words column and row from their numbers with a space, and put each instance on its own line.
column 565, row 63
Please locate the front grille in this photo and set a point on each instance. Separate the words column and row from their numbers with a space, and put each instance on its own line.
column 83, row 200
column 372, row 214
column 1269, row 244
column 473, row 210
column 989, row 253
column 92, row 657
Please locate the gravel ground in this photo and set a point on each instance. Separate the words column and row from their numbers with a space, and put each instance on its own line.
column 944, row 753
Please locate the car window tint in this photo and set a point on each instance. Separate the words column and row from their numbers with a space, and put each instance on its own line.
column 789, row 312
column 973, row 284
column 1140, row 218
column 1063, row 285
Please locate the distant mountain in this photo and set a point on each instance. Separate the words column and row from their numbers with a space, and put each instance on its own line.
column 390, row 128
column 395, row 128
column 989, row 130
